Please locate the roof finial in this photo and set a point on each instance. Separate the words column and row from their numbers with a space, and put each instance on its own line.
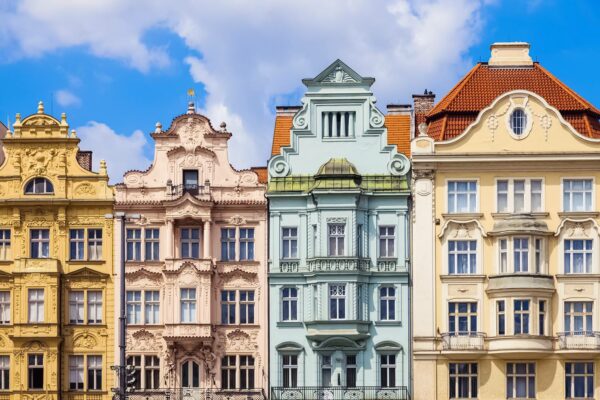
column 73, row 133
column 223, row 127
column 102, row 167
column 158, row 128
column 191, row 108
column 41, row 107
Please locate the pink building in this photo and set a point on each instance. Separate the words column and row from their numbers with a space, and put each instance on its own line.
column 196, row 266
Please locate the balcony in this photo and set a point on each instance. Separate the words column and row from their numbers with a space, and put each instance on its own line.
column 335, row 264
column 201, row 264
column 197, row 394
column 40, row 265
column 339, row 393
column 584, row 340
column 199, row 191
column 181, row 331
column 520, row 345
column 463, row 341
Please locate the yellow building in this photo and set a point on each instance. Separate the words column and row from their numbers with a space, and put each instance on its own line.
column 506, row 259
column 56, row 266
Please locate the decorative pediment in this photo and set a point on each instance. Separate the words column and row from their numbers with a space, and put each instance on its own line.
column 338, row 342
column 86, row 273
column 578, row 228
column 338, row 73
column 459, row 229
column 239, row 276
column 85, row 340
column 143, row 274
column 388, row 345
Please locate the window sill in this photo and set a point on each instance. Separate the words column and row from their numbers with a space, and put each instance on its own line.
column 295, row 324
column 238, row 325
column 388, row 323
column 578, row 214
column 339, row 139
column 243, row 262
column 503, row 215
column 461, row 216
column 463, row 277
column 81, row 262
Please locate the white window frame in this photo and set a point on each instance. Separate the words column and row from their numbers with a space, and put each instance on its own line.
column 385, row 238
column 77, row 237
column 136, row 245
column 136, row 306
column 247, row 243
column 95, row 306
column 151, row 365
column 94, row 364
column 339, row 299
column 190, row 241
column 388, row 299
column 151, row 307
column 246, row 317
column 469, row 314
column 291, row 369
column 94, row 244
column 151, row 243
column 35, row 305
column 287, row 301
column 189, row 303
column 4, row 372
column 522, row 313
column 472, row 208
column 5, row 244
column 389, row 367
column 5, row 307
column 77, row 307
column 586, row 315
column 472, row 254
column 337, row 238
column 586, row 253
column 527, row 198
column 532, row 254
column 287, row 242
column 591, row 207
column 41, row 243
column 76, row 372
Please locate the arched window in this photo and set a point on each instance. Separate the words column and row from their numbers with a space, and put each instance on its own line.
column 39, row 186
column 518, row 121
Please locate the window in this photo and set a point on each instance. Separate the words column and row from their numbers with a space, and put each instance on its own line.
column 326, row 370
column 246, row 306
column 95, row 244
column 542, row 317
column 246, row 244
column 136, row 373
column 387, row 241
column 359, row 241
column 35, row 371
column 462, row 318
column 190, row 179
column 5, row 253
column 36, row 305
column 518, row 121
column 538, row 255
column 519, row 195
column 463, row 380
column 190, row 243
column 337, row 301
column 76, row 305
column 289, row 242
column 578, row 256
column 290, row 371
column 462, row 196
column 501, row 317
column 39, row 186
column 190, row 375
column 521, row 254
column 4, row 372
column 228, row 307
column 338, row 124
column 387, row 303
column 4, row 307
column 94, row 372
column 351, row 369
column 228, row 369
column 503, row 244
column 151, row 372
column 520, row 381
column 462, row 257
column 134, row 307
column 40, row 243
column 152, row 244
column 578, row 317
column 521, row 317
column 388, row 370
column 152, row 306
column 134, row 244
column 337, row 236
column 76, row 372
column 577, row 195
column 289, row 304
column 76, row 245
column 228, row 244
column 188, row 305
column 579, row 380
column 246, row 372
column 94, row 306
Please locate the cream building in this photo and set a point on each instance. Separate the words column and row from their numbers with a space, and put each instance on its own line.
column 196, row 267
column 506, row 243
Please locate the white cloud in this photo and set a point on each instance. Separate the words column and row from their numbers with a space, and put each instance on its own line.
column 66, row 98
column 253, row 53
column 122, row 153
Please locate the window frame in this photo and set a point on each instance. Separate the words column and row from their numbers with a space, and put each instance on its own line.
column 290, row 369
column 390, row 367
column 247, row 243
column 338, row 238
column 228, row 253
column 472, row 255
column 470, row 376
column 535, row 258
column 456, row 315
column 4, row 372
column 189, row 242
column 584, row 252
column 338, row 299
column 513, row 375
column 287, row 241
column 289, row 300
column 5, row 307
column 476, row 205
column 527, row 197
column 591, row 207
column 5, row 244
column 587, row 316
column 571, row 375
column 525, row 329
column 386, row 238
column 47, row 184
column 388, row 299
column 192, row 314
column 40, row 244
column 36, row 366
column 39, row 304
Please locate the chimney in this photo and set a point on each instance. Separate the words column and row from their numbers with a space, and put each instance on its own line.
column 510, row 54
column 399, row 109
column 423, row 102
column 84, row 158
column 287, row 111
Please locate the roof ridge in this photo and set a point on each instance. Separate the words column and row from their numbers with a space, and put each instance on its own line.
column 453, row 92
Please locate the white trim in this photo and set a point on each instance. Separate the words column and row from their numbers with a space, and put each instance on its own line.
column 462, row 179
column 562, row 191
column 511, row 190
column 528, row 115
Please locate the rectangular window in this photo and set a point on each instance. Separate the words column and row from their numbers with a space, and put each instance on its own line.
column 337, row 236
column 521, row 254
column 35, row 371
column 462, row 318
column 188, row 305
column 289, row 242
column 152, row 244
column 134, row 307
column 76, row 372
column 76, row 305
column 136, row 375
column 190, row 179
column 542, row 317
column 359, row 241
column 40, row 243
column 462, row 257
column 351, row 370
column 578, row 256
column 536, row 195
column 246, row 244
column 387, row 303
column 152, row 306
column 246, row 306
column 579, row 380
column 151, row 372
column 521, row 317
column 519, row 195
column 94, row 372
column 4, row 307
column 228, row 369
column 5, row 253
column 462, row 196
column 134, row 244
column 289, row 304
column 94, row 306
column 228, row 307
column 95, row 244
column 387, row 241
column 577, row 195
column 538, row 256
column 520, row 381
column 290, row 371
column 36, row 305
column 228, row 244
column 578, row 317
column 190, row 242
column 337, row 301
column 501, row 317
column 387, row 370
column 326, row 370
column 338, row 124
column 76, row 244
column 503, row 244
column 246, row 372
column 4, row 372
column 463, row 380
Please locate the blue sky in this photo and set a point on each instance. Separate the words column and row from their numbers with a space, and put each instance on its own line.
column 116, row 71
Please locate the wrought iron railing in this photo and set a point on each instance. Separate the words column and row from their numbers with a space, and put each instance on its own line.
column 339, row 393
column 178, row 190
column 197, row 394
column 579, row 340
column 463, row 340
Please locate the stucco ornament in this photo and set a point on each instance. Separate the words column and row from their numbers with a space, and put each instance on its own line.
column 300, row 120
column 376, row 119
column 399, row 165
column 279, row 167
column 38, row 159
column 190, row 135
column 338, row 75
column 85, row 340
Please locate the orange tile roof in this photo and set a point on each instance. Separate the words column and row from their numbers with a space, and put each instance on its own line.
column 263, row 176
column 483, row 84
column 281, row 136
column 398, row 130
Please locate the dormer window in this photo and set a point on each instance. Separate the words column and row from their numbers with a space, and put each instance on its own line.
column 39, row 186
column 338, row 124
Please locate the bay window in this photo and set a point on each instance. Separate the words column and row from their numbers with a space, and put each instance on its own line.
column 519, row 195
column 522, row 254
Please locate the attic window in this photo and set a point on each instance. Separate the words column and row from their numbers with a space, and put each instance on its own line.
column 518, row 121
column 39, row 186
column 338, row 124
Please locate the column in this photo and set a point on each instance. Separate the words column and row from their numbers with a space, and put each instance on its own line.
column 334, row 126
column 343, row 125
column 170, row 239
column 326, row 132
column 206, row 237
column 351, row 123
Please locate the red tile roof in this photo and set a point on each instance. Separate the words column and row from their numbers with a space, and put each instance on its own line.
column 281, row 136
column 263, row 176
column 483, row 84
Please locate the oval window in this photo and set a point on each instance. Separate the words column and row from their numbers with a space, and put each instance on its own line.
column 518, row 121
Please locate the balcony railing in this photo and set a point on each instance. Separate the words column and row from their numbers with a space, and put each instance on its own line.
column 175, row 191
column 580, row 340
column 339, row 393
column 197, row 394
column 338, row 264
column 463, row 340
